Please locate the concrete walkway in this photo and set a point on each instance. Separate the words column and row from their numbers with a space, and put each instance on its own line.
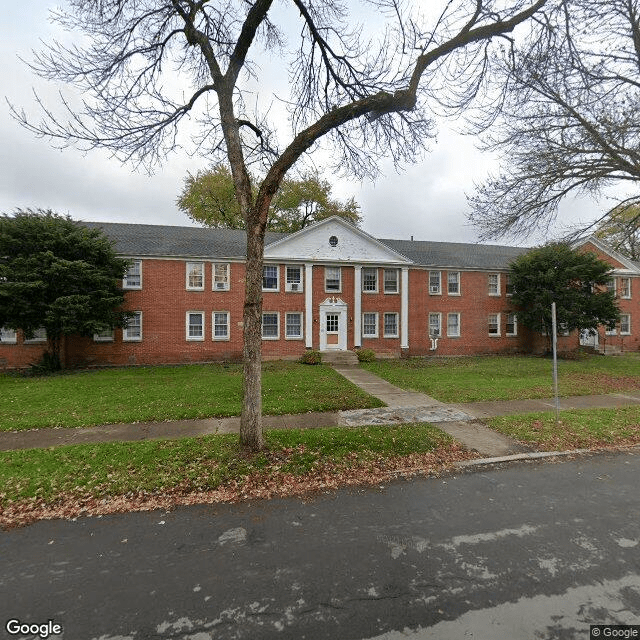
column 461, row 421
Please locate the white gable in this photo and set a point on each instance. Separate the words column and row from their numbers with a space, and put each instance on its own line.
column 316, row 244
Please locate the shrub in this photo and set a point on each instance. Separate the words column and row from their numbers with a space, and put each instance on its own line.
column 366, row 355
column 311, row 357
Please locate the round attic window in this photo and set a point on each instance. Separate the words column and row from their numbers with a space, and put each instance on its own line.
column 333, row 241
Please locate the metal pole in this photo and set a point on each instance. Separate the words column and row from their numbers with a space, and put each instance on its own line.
column 554, row 331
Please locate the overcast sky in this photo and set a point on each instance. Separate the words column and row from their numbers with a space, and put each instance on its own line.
column 426, row 200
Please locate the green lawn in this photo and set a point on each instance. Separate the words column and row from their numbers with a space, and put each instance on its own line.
column 475, row 379
column 577, row 429
column 204, row 463
column 141, row 394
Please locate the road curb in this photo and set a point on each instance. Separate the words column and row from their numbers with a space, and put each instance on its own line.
column 537, row 455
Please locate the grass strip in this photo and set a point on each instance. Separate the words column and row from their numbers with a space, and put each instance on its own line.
column 196, row 464
column 140, row 394
column 577, row 428
column 476, row 379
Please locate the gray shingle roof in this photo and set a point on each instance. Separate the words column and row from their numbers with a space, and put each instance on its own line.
column 188, row 242
column 456, row 254
column 198, row 242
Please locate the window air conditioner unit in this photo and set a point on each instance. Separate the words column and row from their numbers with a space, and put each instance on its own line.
column 434, row 289
column 294, row 286
column 221, row 285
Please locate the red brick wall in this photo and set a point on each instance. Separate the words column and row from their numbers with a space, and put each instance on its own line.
column 164, row 302
column 474, row 304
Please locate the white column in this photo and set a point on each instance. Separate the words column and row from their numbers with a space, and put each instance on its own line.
column 357, row 306
column 404, row 307
column 308, row 305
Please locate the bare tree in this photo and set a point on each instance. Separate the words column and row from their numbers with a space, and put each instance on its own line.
column 368, row 99
column 571, row 120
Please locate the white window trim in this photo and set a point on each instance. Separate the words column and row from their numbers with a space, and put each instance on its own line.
column 103, row 338
column 214, row 337
column 277, row 287
column 214, row 284
column 294, row 313
column 339, row 289
column 37, row 340
column 432, row 291
column 498, row 284
column 124, row 280
column 125, row 335
column 8, row 336
column 201, row 287
column 271, row 313
column 506, row 279
column 454, row 335
column 375, row 270
column 625, row 333
column 498, row 320
column 613, row 281
column 288, row 286
column 628, row 296
column 195, row 338
column 371, row 335
column 515, row 325
column 384, row 324
column 439, row 314
column 384, row 282
column 459, row 292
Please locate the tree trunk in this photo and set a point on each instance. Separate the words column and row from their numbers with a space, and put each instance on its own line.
column 251, row 420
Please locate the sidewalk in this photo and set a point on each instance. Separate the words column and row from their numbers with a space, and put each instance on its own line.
column 461, row 421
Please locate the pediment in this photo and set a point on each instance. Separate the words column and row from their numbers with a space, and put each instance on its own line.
column 617, row 261
column 333, row 240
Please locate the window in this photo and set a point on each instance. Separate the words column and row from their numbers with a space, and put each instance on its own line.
column 103, row 336
column 494, row 284
column 270, row 326
column 133, row 278
column 494, row 324
column 270, row 277
column 611, row 332
column 390, row 325
column 435, row 325
column 133, row 331
column 332, row 279
column 625, row 324
column 39, row 335
column 509, row 285
column 512, row 324
column 434, row 282
column 220, row 325
column 333, row 241
column 195, row 276
column 220, row 272
column 625, row 287
column 453, row 325
column 369, row 325
column 370, row 279
column 391, row 281
column 195, row 325
column 453, row 283
column 563, row 329
column 294, row 279
column 611, row 285
column 293, row 325
column 332, row 322
column 8, row 336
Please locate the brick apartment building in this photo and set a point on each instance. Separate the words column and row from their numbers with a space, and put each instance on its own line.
column 330, row 286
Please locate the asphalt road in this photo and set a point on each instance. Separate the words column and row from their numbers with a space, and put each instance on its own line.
column 528, row 551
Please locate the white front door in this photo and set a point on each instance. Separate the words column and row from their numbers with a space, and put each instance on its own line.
column 589, row 338
column 333, row 325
